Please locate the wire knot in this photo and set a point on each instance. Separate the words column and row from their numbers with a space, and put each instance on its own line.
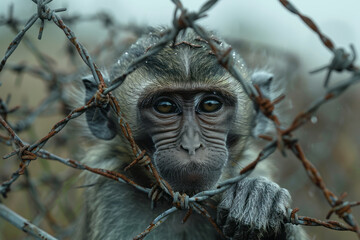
column 101, row 100
column 341, row 61
column 267, row 106
column 25, row 155
column 186, row 18
column 181, row 201
column 44, row 12
column 341, row 208
column 293, row 217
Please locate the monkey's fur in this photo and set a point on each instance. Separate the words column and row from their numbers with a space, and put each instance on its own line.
column 192, row 148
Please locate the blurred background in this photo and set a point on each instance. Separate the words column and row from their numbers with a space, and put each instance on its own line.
column 48, row 193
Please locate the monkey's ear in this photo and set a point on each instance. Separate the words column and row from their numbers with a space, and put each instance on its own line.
column 263, row 80
column 98, row 119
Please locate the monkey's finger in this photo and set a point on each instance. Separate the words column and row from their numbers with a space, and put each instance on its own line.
column 221, row 217
column 230, row 227
column 155, row 194
column 159, row 195
column 245, row 232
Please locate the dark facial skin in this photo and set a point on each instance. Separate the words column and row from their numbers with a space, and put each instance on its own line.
column 188, row 130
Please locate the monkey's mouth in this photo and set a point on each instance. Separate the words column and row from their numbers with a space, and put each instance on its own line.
column 189, row 174
column 191, row 182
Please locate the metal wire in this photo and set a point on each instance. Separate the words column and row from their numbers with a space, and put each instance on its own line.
column 283, row 140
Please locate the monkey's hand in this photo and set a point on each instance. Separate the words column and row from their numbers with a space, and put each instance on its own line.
column 254, row 208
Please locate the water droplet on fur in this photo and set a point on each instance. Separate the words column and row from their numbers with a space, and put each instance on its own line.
column 314, row 119
column 311, row 193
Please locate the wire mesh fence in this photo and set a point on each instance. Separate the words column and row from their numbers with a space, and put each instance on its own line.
column 284, row 140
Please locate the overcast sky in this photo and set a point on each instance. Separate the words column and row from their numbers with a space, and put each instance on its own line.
column 262, row 21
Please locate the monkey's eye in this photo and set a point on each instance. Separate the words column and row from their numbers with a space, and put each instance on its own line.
column 210, row 104
column 166, row 106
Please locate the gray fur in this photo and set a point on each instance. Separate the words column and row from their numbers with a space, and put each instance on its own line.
column 252, row 209
column 255, row 204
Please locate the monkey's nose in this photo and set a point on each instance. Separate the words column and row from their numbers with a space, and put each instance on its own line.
column 190, row 141
column 191, row 148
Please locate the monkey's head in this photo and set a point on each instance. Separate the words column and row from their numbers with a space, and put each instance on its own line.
column 186, row 110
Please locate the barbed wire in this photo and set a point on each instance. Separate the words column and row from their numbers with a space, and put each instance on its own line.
column 182, row 19
column 23, row 224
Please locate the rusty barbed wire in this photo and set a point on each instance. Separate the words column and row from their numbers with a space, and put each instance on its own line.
column 55, row 79
column 341, row 61
column 182, row 19
column 23, row 224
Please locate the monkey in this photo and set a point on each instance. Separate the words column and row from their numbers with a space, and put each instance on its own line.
column 197, row 124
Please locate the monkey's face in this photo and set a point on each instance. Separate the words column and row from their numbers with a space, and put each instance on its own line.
column 188, row 131
column 184, row 109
